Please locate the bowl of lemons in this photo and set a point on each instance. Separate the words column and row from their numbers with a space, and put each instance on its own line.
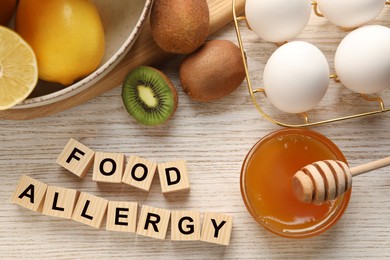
column 52, row 50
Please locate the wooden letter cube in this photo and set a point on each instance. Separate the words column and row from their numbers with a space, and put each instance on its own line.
column 173, row 176
column 90, row 210
column 59, row 202
column 185, row 225
column 29, row 193
column 153, row 222
column 122, row 216
column 139, row 173
column 217, row 228
column 76, row 157
column 108, row 167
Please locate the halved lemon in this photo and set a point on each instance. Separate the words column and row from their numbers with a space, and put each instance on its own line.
column 18, row 69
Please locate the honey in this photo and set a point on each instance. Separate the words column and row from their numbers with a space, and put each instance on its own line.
column 266, row 183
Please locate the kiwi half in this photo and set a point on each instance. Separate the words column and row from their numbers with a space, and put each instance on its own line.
column 149, row 96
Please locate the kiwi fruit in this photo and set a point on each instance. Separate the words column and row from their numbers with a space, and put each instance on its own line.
column 149, row 96
column 179, row 26
column 213, row 71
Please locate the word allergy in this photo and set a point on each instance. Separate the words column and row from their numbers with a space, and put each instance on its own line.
column 121, row 216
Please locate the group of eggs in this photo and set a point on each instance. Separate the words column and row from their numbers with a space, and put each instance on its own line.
column 296, row 76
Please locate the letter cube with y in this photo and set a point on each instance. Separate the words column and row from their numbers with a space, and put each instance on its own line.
column 122, row 216
column 59, row 202
column 90, row 210
column 173, row 176
column 29, row 193
column 217, row 228
column 153, row 222
column 76, row 157
column 185, row 225
column 139, row 173
column 108, row 167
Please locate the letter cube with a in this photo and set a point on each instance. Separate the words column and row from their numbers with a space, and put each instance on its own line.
column 29, row 193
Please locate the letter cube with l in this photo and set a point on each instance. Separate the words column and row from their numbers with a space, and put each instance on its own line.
column 173, row 176
column 29, row 193
column 153, row 222
column 59, row 202
column 90, row 210
column 185, row 225
column 76, row 157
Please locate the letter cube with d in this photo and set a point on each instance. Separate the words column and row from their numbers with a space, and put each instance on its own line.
column 173, row 176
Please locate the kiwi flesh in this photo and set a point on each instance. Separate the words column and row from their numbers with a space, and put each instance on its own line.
column 149, row 96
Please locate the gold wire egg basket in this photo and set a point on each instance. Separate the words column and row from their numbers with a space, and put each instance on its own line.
column 306, row 121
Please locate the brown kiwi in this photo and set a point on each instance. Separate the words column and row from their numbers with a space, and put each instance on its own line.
column 149, row 96
column 179, row 26
column 213, row 71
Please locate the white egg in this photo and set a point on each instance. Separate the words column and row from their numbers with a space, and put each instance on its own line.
column 296, row 77
column 362, row 60
column 277, row 20
column 350, row 13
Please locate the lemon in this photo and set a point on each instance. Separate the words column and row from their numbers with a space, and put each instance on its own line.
column 67, row 37
column 18, row 69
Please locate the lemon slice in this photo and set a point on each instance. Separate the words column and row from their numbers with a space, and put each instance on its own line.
column 18, row 69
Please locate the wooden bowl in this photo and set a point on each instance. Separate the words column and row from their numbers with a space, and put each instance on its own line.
column 122, row 21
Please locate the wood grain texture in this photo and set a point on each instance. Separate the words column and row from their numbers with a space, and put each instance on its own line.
column 214, row 139
column 144, row 52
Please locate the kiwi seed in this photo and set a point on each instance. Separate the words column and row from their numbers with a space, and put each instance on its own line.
column 149, row 96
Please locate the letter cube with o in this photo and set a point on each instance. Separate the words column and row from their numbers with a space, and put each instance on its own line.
column 139, row 173
column 76, row 157
column 173, row 176
column 108, row 167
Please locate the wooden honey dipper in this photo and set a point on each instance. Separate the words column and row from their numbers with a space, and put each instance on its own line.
column 326, row 180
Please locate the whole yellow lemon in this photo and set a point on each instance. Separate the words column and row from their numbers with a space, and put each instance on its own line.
column 67, row 37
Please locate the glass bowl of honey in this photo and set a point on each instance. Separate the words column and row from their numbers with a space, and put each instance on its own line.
column 266, row 186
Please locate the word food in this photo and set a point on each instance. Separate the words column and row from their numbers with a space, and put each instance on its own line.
column 120, row 215
column 110, row 167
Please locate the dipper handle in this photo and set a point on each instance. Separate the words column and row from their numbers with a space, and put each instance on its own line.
column 357, row 170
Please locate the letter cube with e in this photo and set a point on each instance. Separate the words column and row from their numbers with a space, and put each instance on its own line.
column 122, row 216
column 29, row 193
column 59, row 202
column 153, row 222
column 90, row 210
column 139, row 173
column 173, row 176
column 217, row 228
column 76, row 157
column 185, row 225
column 108, row 167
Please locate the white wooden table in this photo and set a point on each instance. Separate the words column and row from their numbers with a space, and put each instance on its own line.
column 214, row 139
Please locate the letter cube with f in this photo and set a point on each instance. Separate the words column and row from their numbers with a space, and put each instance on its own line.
column 76, row 157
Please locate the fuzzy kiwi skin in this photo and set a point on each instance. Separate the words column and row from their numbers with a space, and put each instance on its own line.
column 213, row 71
column 179, row 26
column 166, row 81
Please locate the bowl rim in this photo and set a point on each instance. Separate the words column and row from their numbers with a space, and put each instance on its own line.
column 96, row 75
